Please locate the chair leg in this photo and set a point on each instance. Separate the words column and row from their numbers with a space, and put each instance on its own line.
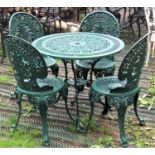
column 55, row 69
column 43, row 113
column 121, row 117
column 81, row 72
column 141, row 121
column 106, row 106
column 18, row 97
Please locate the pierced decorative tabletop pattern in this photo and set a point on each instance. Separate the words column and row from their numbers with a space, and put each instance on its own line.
column 80, row 45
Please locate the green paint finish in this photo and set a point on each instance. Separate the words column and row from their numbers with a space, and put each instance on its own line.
column 102, row 22
column 30, row 72
column 122, row 90
column 27, row 27
column 79, row 45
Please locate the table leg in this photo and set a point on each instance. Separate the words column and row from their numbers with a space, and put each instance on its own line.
column 77, row 118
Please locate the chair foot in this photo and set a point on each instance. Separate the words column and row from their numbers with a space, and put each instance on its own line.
column 12, row 96
column 141, row 122
column 13, row 127
column 124, row 142
column 46, row 142
column 121, row 119
column 18, row 97
column 43, row 113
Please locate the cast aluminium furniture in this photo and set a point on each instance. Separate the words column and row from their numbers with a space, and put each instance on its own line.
column 122, row 90
column 102, row 22
column 30, row 72
column 27, row 27
column 73, row 46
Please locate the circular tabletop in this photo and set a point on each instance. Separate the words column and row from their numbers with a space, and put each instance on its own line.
column 78, row 45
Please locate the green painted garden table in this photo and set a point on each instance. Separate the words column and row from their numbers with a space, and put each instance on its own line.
column 77, row 46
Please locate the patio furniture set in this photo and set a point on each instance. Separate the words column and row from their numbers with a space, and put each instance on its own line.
column 92, row 50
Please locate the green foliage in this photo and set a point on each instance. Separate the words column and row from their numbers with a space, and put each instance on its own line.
column 19, row 138
column 140, row 136
column 138, row 140
column 4, row 79
column 85, row 120
column 152, row 80
column 11, row 121
column 104, row 141
column 58, row 61
column 148, row 99
column 27, row 108
column 2, row 104
column 8, row 69
column 72, row 127
column 99, row 138
column 151, row 91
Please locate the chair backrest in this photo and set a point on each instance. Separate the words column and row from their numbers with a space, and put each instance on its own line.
column 25, row 26
column 131, row 67
column 28, row 64
column 100, row 22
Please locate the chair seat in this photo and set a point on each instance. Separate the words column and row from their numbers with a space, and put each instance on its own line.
column 104, row 85
column 47, row 86
column 103, row 63
column 49, row 61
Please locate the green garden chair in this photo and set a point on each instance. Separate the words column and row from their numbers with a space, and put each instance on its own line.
column 30, row 72
column 98, row 22
column 27, row 27
column 122, row 90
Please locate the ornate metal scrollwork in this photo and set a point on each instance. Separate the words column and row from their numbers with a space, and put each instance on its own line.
column 94, row 97
column 121, row 100
column 24, row 25
column 100, row 22
column 132, row 64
